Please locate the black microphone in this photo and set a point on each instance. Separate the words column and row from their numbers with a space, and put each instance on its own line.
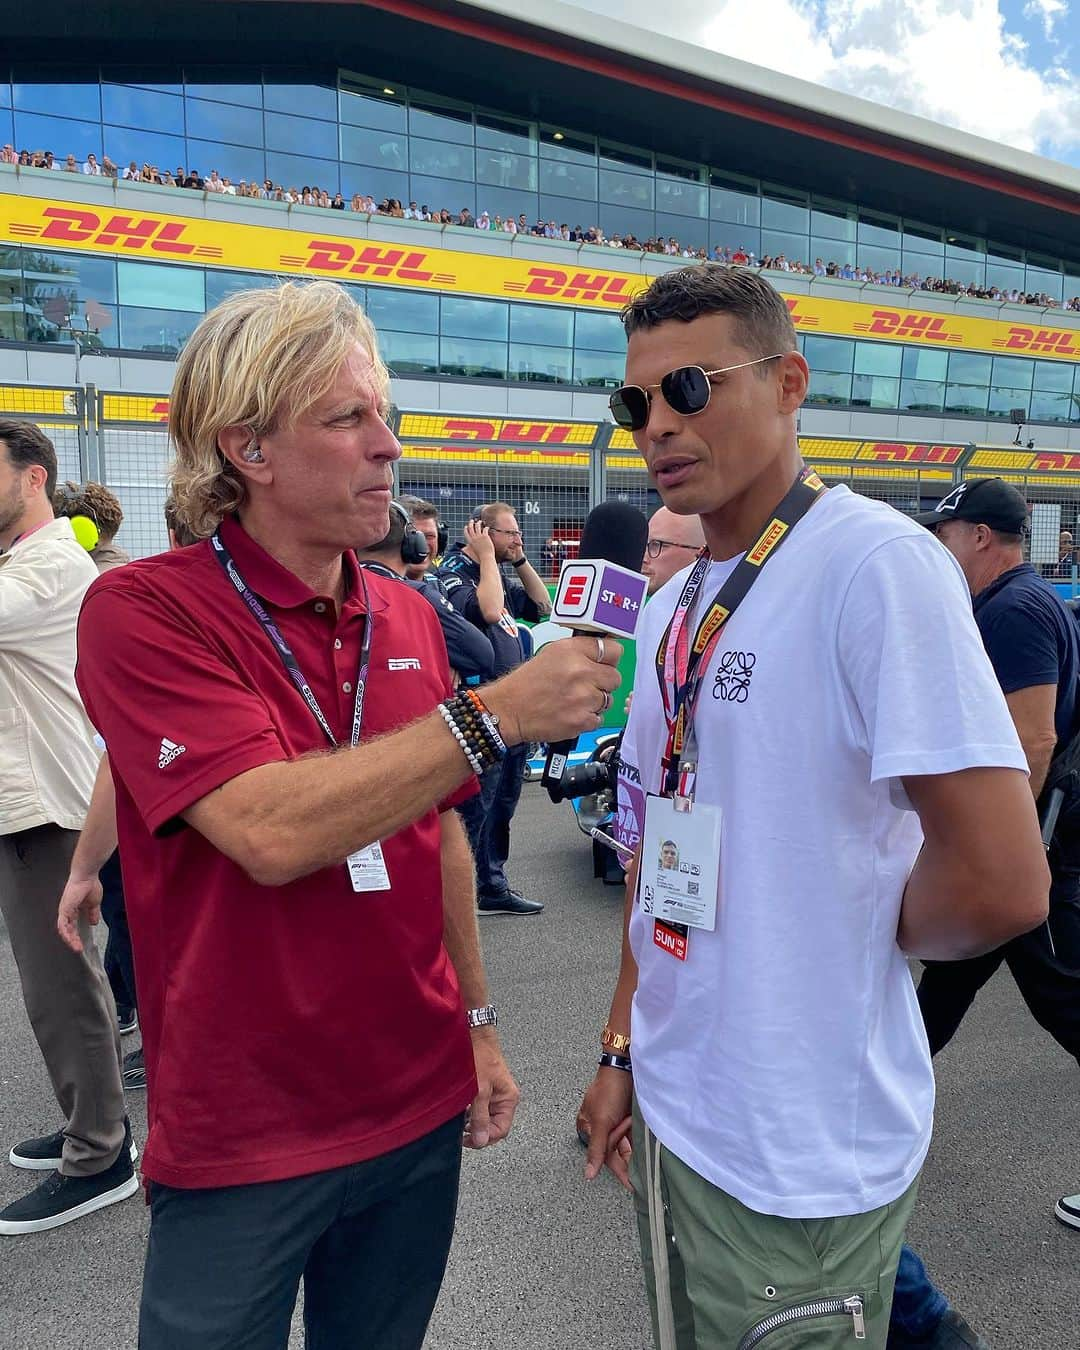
column 602, row 591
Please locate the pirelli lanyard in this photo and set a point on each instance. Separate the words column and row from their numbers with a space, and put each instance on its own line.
column 681, row 663
column 285, row 652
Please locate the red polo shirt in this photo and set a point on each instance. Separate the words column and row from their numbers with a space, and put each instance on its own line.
column 287, row 1029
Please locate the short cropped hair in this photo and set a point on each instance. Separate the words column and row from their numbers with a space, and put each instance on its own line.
column 489, row 513
column 419, row 509
column 180, row 531
column 762, row 319
column 93, row 500
column 27, row 444
column 260, row 360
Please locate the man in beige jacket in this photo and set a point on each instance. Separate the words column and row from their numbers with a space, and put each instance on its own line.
column 47, row 765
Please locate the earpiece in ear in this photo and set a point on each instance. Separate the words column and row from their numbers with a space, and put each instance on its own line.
column 253, row 455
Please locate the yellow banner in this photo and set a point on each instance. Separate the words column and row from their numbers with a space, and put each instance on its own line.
column 27, row 399
column 321, row 253
column 134, row 408
column 506, row 456
column 1024, row 461
column 430, row 425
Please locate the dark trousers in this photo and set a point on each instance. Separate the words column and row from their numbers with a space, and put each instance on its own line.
column 370, row 1242
column 487, row 818
column 119, row 963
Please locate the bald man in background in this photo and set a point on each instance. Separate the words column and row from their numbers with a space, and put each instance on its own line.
column 674, row 543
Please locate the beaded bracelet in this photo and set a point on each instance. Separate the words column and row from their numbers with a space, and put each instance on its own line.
column 459, row 736
column 471, row 733
column 488, row 718
column 610, row 1061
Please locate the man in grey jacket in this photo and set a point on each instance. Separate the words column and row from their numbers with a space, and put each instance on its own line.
column 47, row 764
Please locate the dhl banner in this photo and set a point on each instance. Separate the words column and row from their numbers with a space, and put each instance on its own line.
column 317, row 253
column 513, row 456
column 427, row 426
column 32, row 401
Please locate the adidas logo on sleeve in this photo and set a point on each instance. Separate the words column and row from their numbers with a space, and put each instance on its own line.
column 168, row 752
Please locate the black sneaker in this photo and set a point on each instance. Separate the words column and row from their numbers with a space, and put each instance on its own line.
column 1067, row 1210
column 45, row 1154
column 59, row 1199
column 133, row 1071
column 127, row 1019
column 507, row 902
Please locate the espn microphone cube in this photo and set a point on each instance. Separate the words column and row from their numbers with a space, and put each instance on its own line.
column 595, row 596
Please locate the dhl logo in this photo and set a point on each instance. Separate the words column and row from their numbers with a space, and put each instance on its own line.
column 898, row 453
column 1055, row 459
column 77, row 225
column 766, row 543
column 1040, row 341
column 907, row 327
column 367, row 260
column 497, row 430
column 799, row 317
column 555, row 284
column 717, row 618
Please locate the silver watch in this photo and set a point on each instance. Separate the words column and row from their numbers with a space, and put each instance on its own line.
column 482, row 1017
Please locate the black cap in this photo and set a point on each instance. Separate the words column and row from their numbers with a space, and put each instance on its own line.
column 980, row 501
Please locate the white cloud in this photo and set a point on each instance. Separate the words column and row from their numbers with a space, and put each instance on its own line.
column 953, row 61
column 1049, row 11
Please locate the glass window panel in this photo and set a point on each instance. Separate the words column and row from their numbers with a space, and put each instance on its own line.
column 562, row 179
column 925, row 363
column 1071, row 289
column 965, row 266
column 599, row 332
column 567, row 211
column 778, row 215
column 447, row 125
column 1046, row 407
column 368, row 110
column 386, row 149
column 877, row 259
column 733, row 236
column 1054, row 375
column 1005, row 277
column 155, row 330
column 923, row 238
column 438, row 159
column 1014, row 371
column 298, row 171
column 833, row 250
column 301, row 99
column 410, row 353
column 922, row 395
column 626, row 189
column 80, row 275
column 500, row 168
column 689, row 232
column 440, row 193
column 301, row 136
column 1038, row 280
column 511, row 203
column 402, row 310
column 600, row 370
column 219, row 285
column 617, row 156
column 879, row 230
column 874, row 391
column 225, row 122
column 7, row 127
column 542, row 325
column 877, row 358
column 625, row 220
column 794, row 247
column 124, row 144
column 570, row 148
column 473, row 318
column 380, row 183
column 837, row 223
column 472, row 359
column 969, row 368
column 1003, row 400
column 738, row 207
column 77, row 94
column 5, row 89
column 58, row 134
column 827, row 388
column 142, row 108
column 920, row 265
column 165, row 79
column 967, row 399
column 826, row 353
column 140, row 283
column 244, row 86
column 498, row 133
column 238, row 163
column 680, row 197
column 551, row 365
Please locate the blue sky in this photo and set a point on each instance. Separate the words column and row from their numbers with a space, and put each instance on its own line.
column 1008, row 70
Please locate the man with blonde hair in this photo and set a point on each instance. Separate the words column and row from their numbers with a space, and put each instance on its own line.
column 265, row 703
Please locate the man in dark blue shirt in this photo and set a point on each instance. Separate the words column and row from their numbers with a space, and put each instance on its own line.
column 472, row 577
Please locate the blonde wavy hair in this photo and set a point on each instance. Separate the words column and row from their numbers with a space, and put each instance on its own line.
column 259, row 360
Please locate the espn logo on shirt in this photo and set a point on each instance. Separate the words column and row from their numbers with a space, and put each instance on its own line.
column 168, row 752
column 766, row 543
column 403, row 663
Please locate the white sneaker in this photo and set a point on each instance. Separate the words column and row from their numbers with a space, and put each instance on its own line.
column 1067, row 1210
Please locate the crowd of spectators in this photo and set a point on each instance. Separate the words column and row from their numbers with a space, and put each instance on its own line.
column 365, row 204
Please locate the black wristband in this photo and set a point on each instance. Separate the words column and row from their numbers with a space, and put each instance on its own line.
column 611, row 1061
column 520, row 562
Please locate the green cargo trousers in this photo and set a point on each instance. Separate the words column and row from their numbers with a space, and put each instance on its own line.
column 723, row 1277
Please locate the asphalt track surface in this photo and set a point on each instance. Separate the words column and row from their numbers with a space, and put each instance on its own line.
column 540, row 1259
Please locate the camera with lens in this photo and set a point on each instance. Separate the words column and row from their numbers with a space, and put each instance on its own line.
column 584, row 780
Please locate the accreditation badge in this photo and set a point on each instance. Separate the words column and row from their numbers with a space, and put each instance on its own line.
column 679, row 876
column 367, row 869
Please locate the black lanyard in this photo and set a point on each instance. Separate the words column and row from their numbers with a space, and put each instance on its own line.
column 680, row 663
column 285, row 652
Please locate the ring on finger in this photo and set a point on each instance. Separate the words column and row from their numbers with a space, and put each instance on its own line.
column 608, row 701
column 600, row 650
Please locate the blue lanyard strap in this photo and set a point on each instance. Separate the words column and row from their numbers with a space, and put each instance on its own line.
column 285, row 652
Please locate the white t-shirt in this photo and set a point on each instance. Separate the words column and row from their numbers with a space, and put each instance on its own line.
column 785, row 1060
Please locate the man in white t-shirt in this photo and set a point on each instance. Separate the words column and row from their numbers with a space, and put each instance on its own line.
column 860, row 797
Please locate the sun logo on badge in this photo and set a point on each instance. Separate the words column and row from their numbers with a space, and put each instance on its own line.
column 732, row 683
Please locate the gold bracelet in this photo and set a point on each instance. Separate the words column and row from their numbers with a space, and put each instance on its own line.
column 614, row 1041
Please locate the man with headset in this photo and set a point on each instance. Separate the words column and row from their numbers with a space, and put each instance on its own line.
column 405, row 547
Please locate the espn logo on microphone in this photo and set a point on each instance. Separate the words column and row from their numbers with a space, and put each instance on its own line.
column 595, row 596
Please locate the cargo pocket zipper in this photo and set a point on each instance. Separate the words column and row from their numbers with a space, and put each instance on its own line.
column 824, row 1307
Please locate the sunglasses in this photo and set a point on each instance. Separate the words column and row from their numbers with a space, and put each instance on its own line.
column 687, row 391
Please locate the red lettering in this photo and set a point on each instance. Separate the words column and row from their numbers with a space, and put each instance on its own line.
column 1055, row 459
column 76, row 227
column 469, row 430
column 328, row 256
column 574, row 590
column 168, row 240
column 134, row 234
column 410, row 268
column 545, row 281
column 381, row 262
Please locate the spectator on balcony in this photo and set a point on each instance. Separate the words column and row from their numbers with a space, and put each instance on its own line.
column 484, row 223
column 214, row 183
column 50, row 162
column 108, row 168
column 8, row 155
column 24, row 159
column 324, row 200
column 819, row 268
column 228, row 188
column 132, row 173
column 412, row 212
column 466, row 219
column 510, row 225
column 740, row 257
column 425, row 214
column 338, row 204
column 90, row 166
column 522, row 224
column 193, row 181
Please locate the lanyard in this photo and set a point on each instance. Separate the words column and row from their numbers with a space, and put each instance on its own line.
column 285, row 652
column 681, row 663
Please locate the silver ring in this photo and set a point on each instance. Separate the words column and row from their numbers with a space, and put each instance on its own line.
column 608, row 701
column 600, row 650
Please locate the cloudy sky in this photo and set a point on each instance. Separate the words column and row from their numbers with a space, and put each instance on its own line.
column 1005, row 69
